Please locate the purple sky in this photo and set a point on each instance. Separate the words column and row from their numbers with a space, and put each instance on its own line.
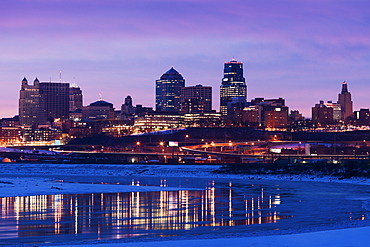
column 299, row 50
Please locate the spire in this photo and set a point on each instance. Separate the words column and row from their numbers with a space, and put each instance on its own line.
column 74, row 84
column 36, row 80
column 24, row 79
column 344, row 87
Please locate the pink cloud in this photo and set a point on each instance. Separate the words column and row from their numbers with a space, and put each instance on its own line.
column 130, row 43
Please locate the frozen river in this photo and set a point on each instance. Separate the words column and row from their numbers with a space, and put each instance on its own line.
column 54, row 203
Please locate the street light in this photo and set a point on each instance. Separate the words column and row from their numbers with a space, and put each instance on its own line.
column 231, row 145
column 138, row 146
column 161, row 144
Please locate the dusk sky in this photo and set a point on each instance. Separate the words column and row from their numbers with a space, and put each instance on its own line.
column 299, row 50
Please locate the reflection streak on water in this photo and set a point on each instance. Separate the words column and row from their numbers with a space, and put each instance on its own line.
column 118, row 215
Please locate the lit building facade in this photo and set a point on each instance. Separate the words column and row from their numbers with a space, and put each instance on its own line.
column 322, row 114
column 233, row 89
column 98, row 110
column 41, row 135
column 268, row 113
column 251, row 116
column 75, row 98
column 127, row 109
column 10, row 122
column 29, row 98
column 196, row 99
column 202, row 119
column 362, row 117
column 54, row 101
column 9, row 134
column 276, row 117
column 43, row 102
column 168, row 91
column 158, row 121
column 337, row 110
column 295, row 115
column 345, row 101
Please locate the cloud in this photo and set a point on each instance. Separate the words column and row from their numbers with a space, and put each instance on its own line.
column 295, row 44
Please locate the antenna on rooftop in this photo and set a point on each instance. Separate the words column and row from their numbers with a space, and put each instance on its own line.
column 60, row 76
column 74, row 82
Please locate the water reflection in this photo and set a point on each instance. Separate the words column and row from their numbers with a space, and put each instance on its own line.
column 123, row 215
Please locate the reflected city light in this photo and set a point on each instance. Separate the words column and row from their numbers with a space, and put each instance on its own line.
column 133, row 214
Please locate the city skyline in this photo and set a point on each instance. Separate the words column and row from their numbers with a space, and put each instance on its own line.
column 295, row 50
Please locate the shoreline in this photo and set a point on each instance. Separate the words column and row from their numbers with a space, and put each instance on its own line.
column 37, row 178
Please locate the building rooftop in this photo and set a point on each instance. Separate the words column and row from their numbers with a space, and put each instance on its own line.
column 172, row 74
column 101, row 103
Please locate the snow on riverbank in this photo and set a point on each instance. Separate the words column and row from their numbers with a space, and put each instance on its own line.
column 358, row 237
column 36, row 179
column 19, row 179
column 37, row 186
column 201, row 171
column 30, row 179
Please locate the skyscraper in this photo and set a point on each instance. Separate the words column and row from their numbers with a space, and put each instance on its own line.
column 29, row 97
column 344, row 99
column 168, row 91
column 233, row 90
column 43, row 102
column 127, row 109
column 323, row 114
column 54, row 101
column 75, row 98
column 196, row 99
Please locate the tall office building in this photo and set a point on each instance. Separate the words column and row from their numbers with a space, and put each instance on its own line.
column 323, row 114
column 98, row 110
column 29, row 97
column 54, row 101
column 75, row 98
column 127, row 109
column 344, row 99
column 269, row 113
column 168, row 91
column 43, row 102
column 196, row 99
column 233, row 90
